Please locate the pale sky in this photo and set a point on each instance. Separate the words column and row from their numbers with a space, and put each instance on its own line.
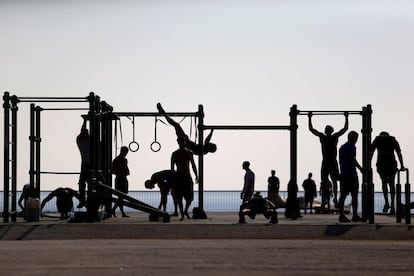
column 246, row 62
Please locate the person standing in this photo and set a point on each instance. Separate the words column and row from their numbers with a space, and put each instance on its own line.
column 180, row 163
column 248, row 187
column 329, row 143
column 273, row 185
column 386, row 147
column 121, row 171
column 310, row 192
column 84, row 142
column 349, row 177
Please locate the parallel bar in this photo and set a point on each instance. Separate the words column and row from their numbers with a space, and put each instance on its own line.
column 246, row 127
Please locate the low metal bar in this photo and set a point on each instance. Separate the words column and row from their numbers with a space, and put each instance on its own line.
column 246, row 127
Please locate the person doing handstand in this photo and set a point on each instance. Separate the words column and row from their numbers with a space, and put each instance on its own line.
column 190, row 145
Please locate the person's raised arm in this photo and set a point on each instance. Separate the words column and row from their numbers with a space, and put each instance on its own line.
column 311, row 128
column 345, row 128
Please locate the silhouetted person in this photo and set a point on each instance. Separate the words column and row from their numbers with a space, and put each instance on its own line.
column 273, row 185
column 258, row 205
column 121, row 171
column 329, row 143
column 326, row 193
column 180, row 163
column 24, row 196
column 83, row 142
column 349, row 176
column 248, row 186
column 190, row 145
column 309, row 186
column 166, row 182
column 64, row 200
column 386, row 147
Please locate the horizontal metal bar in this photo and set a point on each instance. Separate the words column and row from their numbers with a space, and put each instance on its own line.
column 59, row 109
column 59, row 172
column 246, row 127
column 154, row 114
column 329, row 112
column 52, row 101
column 52, row 98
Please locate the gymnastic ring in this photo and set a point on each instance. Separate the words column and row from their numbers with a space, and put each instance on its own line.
column 133, row 146
column 155, row 146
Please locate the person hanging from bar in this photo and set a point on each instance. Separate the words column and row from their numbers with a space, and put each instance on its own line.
column 83, row 142
column 196, row 149
column 329, row 143
column 386, row 147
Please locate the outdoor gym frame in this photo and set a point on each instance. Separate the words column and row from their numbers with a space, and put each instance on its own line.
column 101, row 115
column 10, row 105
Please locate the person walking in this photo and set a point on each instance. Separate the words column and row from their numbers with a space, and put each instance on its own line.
column 349, row 177
column 248, row 187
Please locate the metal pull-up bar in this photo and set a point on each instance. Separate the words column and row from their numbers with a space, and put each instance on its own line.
column 246, row 127
column 52, row 99
column 153, row 114
column 329, row 112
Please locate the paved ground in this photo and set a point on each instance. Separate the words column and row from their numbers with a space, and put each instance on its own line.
column 197, row 247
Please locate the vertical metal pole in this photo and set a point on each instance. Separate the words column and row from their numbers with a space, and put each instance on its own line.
column 367, row 183
column 364, row 197
column 37, row 158
column 368, row 166
column 398, row 197
column 14, row 160
column 292, row 207
column 201, row 158
column 407, row 199
column 6, row 176
column 107, row 153
column 32, row 151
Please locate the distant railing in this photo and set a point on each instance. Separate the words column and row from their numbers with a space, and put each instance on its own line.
column 214, row 201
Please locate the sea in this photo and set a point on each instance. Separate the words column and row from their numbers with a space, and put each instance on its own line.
column 213, row 201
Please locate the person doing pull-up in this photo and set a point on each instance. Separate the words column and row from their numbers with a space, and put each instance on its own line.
column 329, row 143
column 190, row 145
